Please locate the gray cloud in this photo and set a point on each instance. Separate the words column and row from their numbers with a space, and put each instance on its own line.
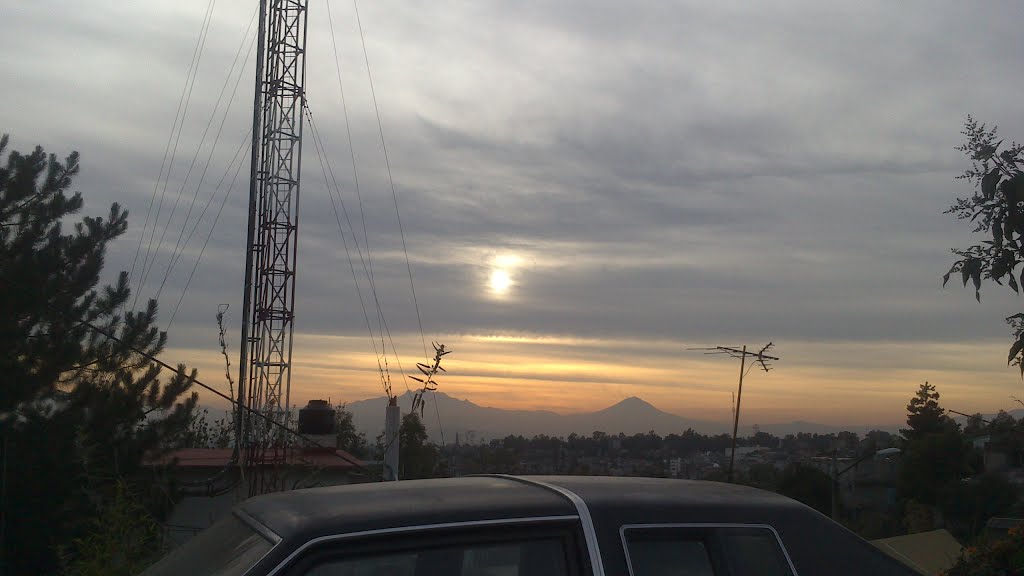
column 665, row 170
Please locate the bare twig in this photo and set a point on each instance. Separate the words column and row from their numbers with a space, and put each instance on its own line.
column 224, row 350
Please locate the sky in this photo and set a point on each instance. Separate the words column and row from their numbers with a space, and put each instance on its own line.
column 587, row 189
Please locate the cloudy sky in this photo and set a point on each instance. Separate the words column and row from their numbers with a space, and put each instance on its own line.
column 587, row 188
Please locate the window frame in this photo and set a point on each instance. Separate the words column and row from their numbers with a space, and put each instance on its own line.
column 566, row 529
column 714, row 546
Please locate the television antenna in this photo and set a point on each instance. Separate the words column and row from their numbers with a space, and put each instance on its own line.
column 758, row 358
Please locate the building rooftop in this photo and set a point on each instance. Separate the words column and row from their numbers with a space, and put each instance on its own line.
column 927, row 552
column 220, row 457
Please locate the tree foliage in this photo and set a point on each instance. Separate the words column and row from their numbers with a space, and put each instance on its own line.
column 997, row 210
column 417, row 458
column 940, row 476
column 808, row 485
column 120, row 541
column 79, row 411
column 934, row 451
column 992, row 558
column 968, row 505
column 348, row 438
column 924, row 415
column 204, row 432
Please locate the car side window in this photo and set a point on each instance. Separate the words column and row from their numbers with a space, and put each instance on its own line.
column 403, row 564
column 540, row 557
column 669, row 557
column 704, row 550
column 754, row 551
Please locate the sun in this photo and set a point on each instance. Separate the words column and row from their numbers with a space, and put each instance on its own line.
column 500, row 282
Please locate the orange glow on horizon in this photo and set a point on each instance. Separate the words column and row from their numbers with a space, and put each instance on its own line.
column 565, row 375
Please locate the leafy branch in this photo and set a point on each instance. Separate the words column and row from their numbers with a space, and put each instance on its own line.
column 429, row 372
column 997, row 209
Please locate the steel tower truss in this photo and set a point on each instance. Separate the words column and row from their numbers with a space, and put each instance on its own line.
column 268, row 316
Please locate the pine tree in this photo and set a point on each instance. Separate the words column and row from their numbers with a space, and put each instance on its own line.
column 934, row 450
column 924, row 415
column 79, row 412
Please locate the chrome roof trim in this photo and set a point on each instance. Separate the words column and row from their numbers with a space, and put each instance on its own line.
column 418, row 528
column 587, row 522
column 260, row 529
column 256, row 525
column 629, row 563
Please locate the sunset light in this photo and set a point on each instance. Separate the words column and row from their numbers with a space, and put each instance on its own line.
column 500, row 282
column 767, row 253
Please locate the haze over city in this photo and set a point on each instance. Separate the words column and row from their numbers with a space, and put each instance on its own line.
column 587, row 189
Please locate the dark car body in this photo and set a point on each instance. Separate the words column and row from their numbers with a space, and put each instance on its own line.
column 514, row 526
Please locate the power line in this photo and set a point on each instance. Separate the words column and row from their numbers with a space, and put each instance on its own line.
column 175, row 253
column 191, row 167
column 341, row 232
column 246, row 143
column 437, row 411
column 391, row 180
column 234, row 403
column 170, row 137
column 368, row 264
column 384, row 373
column 387, row 330
column 352, row 156
column 146, row 262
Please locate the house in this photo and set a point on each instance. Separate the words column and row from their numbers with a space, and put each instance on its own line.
column 931, row 553
column 1000, row 527
column 869, row 485
column 1001, row 454
column 213, row 482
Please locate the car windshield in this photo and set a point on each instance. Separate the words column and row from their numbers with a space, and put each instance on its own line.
column 228, row 548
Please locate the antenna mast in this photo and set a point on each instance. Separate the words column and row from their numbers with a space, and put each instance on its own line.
column 759, row 357
column 264, row 380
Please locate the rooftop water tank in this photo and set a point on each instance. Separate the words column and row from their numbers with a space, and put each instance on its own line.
column 316, row 419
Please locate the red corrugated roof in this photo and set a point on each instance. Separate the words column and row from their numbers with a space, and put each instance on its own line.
column 220, row 457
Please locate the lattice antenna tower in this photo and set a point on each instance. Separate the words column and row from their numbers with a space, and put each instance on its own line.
column 264, row 379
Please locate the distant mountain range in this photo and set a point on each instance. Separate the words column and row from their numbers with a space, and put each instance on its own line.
column 630, row 416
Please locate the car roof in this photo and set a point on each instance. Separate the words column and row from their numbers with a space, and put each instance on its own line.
column 598, row 491
column 381, row 505
column 344, row 509
column 814, row 543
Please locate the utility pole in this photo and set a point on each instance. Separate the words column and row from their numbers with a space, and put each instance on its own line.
column 392, row 425
column 736, row 417
column 759, row 357
column 835, row 484
column 836, row 473
column 3, row 508
column 242, row 431
column 393, row 414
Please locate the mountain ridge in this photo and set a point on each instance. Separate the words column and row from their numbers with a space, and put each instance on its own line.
column 630, row 415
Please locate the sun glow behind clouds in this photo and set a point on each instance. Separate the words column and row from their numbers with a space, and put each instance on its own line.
column 500, row 280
